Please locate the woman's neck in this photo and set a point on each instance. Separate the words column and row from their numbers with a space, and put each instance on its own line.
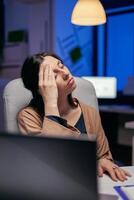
column 64, row 106
column 71, row 114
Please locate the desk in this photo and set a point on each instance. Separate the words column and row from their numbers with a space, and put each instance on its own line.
column 105, row 184
column 120, row 109
column 113, row 119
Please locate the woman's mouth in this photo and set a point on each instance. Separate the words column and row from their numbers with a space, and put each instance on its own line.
column 70, row 82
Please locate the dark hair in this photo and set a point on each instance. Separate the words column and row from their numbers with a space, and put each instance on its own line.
column 29, row 75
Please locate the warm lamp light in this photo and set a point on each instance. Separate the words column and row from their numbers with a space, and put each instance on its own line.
column 88, row 13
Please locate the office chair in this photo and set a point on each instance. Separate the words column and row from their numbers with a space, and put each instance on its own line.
column 16, row 97
column 133, row 150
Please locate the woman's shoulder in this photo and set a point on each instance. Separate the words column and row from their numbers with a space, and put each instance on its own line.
column 27, row 111
column 87, row 107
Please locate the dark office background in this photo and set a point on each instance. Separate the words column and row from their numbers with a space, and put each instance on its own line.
column 2, row 27
column 111, row 45
column 118, row 46
column 109, row 51
column 113, row 57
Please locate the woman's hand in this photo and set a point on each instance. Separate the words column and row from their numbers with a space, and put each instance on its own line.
column 48, row 89
column 115, row 172
column 47, row 85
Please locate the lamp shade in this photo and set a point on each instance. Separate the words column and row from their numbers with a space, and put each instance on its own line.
column 88, row 13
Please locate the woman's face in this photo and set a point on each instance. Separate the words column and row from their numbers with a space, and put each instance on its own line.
column 64, row 79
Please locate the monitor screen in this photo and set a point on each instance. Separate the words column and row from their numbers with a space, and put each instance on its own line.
column 47, row 168
column 105, row 87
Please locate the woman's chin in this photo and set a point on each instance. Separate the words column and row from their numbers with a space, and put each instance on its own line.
column 74, row 86
column 71, row 89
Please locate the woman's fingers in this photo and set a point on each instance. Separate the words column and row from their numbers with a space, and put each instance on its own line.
column 120, row 174
column 100, row 171
column 53, row 77
column 115, row 172
column 107, row 166
column 41, row 74
column 47, row 73
column 126, row 173
column 112, row 174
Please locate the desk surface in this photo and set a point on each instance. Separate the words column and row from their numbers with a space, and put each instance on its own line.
column 120, row 109
column 105, row 184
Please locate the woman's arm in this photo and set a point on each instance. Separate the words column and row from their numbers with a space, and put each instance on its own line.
column 30, row 123
column 105, row 160
column 103, row 150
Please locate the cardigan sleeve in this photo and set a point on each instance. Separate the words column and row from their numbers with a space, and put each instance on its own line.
column 58, row 119
column 103, row 150
column 94, row 127
column 30, row 123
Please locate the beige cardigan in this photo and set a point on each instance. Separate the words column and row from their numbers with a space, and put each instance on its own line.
column 30, row 123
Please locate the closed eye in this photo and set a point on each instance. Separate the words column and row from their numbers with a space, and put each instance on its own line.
column 60, row 65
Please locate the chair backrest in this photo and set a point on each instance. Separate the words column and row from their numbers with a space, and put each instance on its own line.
column 16, row 96
column 133, row 150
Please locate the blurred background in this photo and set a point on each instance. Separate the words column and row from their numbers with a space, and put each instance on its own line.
column 32, row 26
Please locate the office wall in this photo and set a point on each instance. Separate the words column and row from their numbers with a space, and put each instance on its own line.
column 39, row 27
column 31, row 17
column 120, row 47
column 16, row 16
column 26, row 17
column 116, row 46
column 49, row 28
column 72, row 40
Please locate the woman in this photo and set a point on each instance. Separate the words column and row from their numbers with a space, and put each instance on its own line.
column 53, row 111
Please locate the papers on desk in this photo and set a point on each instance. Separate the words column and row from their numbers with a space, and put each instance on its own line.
column 126, row 192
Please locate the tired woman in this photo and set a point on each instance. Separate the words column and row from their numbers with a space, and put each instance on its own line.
column 54, row 112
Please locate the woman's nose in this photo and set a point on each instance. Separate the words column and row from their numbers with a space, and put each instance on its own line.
column 65, row 75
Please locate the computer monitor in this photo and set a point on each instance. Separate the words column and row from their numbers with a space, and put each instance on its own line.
column 43, row 168
column 105, row 87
